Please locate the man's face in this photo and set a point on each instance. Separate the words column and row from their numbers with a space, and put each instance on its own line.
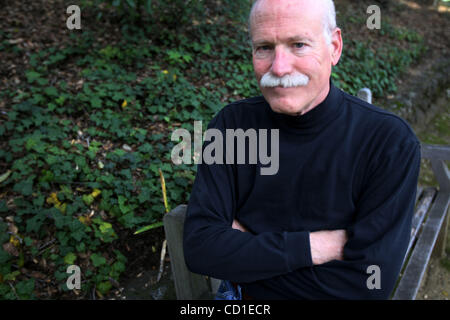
column 288, row 38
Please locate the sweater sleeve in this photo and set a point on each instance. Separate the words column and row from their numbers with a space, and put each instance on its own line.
column 213, row 248
column 378, row 237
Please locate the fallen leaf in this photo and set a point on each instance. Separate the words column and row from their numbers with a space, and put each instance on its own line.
column 126, row 148
column 85, row 220
column 53, row 199
column 5, row 176
column 15, row 41
column 95, row 193
column 15, row 241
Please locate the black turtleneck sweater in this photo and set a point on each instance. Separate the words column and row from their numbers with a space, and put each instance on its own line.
column 345, row 164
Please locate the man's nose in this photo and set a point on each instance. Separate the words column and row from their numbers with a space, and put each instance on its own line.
column 282, row 63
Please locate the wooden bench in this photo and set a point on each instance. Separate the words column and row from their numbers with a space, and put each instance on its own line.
column 428, row 234
column 429, row 225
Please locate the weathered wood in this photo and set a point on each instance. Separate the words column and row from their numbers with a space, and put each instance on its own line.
column 435, row 152
column 442, row 174
column 418, row 262
column 423, row 207
column 441, row 242
column 188, row 285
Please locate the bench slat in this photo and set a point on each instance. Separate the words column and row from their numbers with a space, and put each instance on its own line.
column 415, row 270
column 422, row 208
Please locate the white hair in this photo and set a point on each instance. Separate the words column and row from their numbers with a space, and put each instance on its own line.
column 329, row 19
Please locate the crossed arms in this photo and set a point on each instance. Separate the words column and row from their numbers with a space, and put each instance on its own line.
column 325, row 245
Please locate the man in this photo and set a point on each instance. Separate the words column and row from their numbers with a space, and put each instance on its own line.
column 343, row 197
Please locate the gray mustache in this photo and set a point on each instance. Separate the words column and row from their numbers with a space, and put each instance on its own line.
column 296, row 79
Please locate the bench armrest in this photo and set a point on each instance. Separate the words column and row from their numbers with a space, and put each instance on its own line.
column 436, row 152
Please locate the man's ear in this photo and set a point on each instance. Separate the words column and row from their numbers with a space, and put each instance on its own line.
column 336, row 46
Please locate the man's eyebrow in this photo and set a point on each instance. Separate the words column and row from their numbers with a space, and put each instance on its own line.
column 260, row 42
column 299, row 38
column 290, row 39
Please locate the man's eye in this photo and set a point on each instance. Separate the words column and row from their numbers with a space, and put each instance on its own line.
column 263, row 48
column 298, row 45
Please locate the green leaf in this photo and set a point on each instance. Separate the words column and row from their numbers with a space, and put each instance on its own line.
column 117, row 268
column 70, row 258
column 124, row 208
column 32, row 76
column 88, row 199
column 97, row 260
column 96, row 102
column 34, row 223
column 60, row 100
column 24, row 187
column 11, row 276
column 25, row 288
column 144, row 195
column 28, row 241
column 104, row 287
column 106, row 227
column 51, row 91
column 42, row 81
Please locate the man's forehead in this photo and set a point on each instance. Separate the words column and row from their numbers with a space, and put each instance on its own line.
column 286, row 8
column 285, row 25
column 298, row 16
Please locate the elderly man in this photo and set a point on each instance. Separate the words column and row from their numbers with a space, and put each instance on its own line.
column 342, row 200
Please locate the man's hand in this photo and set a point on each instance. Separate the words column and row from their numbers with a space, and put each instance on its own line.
column 238, row 226
column 327, row 245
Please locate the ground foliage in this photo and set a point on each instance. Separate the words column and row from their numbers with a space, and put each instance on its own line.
column 86, row 123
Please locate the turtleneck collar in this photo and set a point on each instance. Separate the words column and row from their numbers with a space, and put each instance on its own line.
column 315, row 118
